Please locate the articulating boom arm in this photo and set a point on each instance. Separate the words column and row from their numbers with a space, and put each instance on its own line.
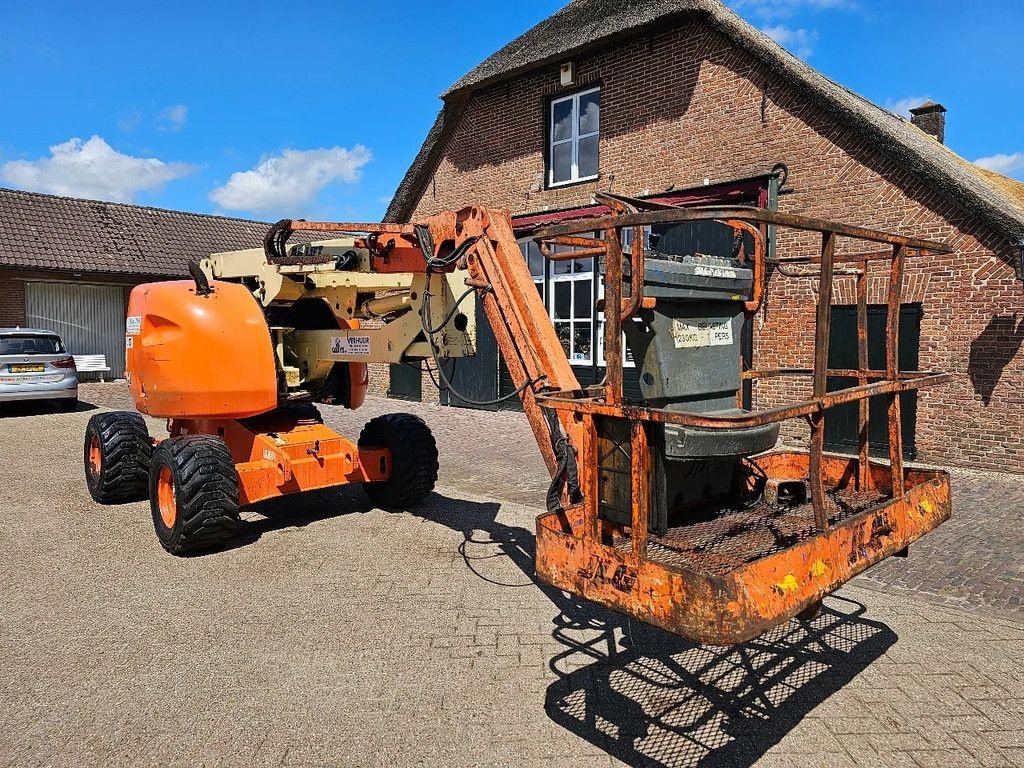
column 682, row 514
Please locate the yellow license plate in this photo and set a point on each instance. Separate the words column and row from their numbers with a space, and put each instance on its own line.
column 33, row 368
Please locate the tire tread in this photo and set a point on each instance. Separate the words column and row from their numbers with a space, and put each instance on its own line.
column 127, row 450
column 206, row 489
column 414, row 462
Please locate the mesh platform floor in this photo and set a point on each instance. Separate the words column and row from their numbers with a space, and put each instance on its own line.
column 733, row 537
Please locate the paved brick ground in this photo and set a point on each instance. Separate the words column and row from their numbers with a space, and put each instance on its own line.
column 333, row 634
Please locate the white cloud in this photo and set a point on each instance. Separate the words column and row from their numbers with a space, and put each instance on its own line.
column 784, row 9
column 1008, row 165
column 91, row 169
column 903, row 106
column 173, row 118
column 291, row 179
column 800, row 42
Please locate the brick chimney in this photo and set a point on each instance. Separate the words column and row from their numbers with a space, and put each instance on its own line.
column 930, row 118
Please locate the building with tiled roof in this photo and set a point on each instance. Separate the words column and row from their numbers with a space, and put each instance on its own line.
column 68, row 264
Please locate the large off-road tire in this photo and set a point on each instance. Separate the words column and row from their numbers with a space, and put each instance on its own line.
column 193, row 493
column 413, row 459
column 117, row 454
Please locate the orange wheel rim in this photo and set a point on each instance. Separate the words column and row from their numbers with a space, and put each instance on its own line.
column 166, row 499
column 95, row 457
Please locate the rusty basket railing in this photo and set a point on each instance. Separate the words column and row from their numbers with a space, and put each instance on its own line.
column 610, row 573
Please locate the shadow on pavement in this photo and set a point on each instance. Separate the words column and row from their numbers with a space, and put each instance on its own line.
column 298, row 511
column 23, row 408
column 645, row 696
column 650, row 698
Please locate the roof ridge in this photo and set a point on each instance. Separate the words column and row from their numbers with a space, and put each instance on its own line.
column 157, row 209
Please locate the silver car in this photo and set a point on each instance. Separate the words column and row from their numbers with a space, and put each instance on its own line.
column 34, row 365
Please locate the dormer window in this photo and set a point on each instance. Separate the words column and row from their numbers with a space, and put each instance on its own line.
column 574, row 133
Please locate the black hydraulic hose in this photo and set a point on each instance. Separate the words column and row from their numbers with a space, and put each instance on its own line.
column 425, row 240
column 451, row 312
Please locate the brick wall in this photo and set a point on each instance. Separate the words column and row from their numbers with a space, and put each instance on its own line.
column 379, row 376
column 686, row 105
column 12, row 298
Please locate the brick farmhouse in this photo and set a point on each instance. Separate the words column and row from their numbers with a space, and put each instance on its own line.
column 683, row 101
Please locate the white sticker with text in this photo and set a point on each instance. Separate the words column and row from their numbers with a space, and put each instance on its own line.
column 133, row 325
column 350, row 345
column 702, row 332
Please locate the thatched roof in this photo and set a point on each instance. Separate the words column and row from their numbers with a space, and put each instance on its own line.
column 579, row 25
column 586, row 24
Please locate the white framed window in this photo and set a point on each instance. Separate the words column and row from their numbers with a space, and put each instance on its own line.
column 571, row 307
column 567, row 289
column 536, row 262
column 574, row 133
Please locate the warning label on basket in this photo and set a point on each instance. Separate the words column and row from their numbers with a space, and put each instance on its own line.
column 350, row 345
column 133, row 325
column 702, row 332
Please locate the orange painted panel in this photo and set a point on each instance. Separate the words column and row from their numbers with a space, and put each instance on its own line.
column 279, row 453
column 191, row 356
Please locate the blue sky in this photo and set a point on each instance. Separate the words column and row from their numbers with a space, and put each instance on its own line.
column 270, row 109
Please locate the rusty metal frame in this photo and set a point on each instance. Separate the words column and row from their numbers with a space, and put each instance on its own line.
column 607, row 401
column 889, row 383
column 614, row 564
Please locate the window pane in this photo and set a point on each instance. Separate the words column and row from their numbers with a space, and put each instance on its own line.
column 588, row 156
column 583, row 265
column 563, row 300
column 30, row 345
column 590, row 112
column 583, row 303
column 540, row 289
column 561, row 120
column 561, row 162
column 563, row 330
column 536, row 260
column 627, row 353
column 581, row 342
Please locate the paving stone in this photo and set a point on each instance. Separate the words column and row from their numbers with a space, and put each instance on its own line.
column 335, row 634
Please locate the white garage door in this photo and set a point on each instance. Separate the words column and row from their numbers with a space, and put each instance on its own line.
column 90, row 318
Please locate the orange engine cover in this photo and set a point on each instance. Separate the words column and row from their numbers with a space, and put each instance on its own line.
column 194, row 356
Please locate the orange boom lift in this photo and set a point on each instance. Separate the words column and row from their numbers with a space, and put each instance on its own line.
column 674, row 507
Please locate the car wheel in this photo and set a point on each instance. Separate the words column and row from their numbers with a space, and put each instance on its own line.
column 117, row 454
column 193, row 494
column 413, row 459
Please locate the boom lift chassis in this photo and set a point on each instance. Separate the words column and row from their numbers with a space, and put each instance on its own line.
column 727, row 573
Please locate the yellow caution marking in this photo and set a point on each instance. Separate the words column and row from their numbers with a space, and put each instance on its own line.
column 818, row 568
column 927, row 506
column 788, row 584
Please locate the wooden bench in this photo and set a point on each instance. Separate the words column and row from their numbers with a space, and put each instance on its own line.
column 92, row 364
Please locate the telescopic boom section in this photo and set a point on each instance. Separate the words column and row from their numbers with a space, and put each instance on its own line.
column 516, row 313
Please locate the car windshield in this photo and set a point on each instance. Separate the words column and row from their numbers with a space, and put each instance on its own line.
column 30, row 344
